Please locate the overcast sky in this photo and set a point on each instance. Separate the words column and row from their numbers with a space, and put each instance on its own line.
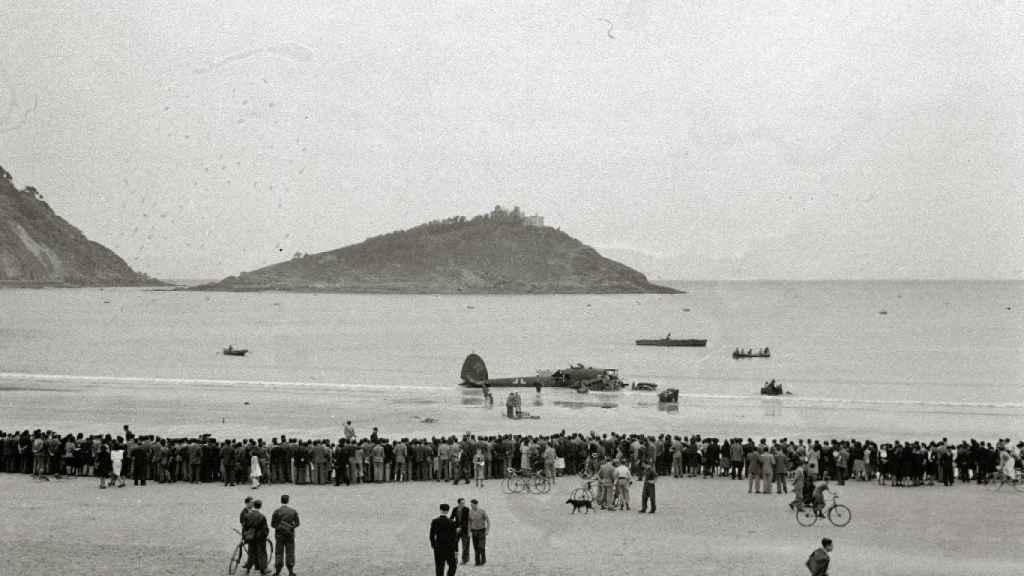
column 693, row 139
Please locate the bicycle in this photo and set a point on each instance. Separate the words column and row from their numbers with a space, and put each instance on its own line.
column 838, row 514
column 527, row 482
column 583, row 492
column 242, row 548
column 1015, row 482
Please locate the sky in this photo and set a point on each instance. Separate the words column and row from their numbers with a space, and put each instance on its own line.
column 691, row 139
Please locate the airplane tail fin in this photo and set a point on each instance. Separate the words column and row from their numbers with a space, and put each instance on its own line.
column 474, row 370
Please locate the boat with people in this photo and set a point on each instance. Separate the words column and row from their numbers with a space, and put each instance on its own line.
column 581, row 378
column 668, row 396
column 752, row 353
column 643, row 386
column 771, row 388
column 232, row 351
column 673, row 342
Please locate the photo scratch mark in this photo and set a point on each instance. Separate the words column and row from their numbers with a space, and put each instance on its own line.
column 289, row 50
column 611, row 27
column 14, row 115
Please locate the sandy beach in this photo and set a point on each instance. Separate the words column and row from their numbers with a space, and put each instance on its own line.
column 702, row 527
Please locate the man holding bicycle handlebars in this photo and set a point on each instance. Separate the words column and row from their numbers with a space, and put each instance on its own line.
column 255, row 532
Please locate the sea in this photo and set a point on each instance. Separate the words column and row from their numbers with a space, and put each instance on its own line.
column 881, row 360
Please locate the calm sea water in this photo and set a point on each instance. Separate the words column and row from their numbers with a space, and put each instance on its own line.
column 946, row 359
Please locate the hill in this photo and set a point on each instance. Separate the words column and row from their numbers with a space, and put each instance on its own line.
column 39, row 248
column 497, row 253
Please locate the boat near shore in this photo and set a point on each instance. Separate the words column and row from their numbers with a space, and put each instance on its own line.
column 232, row 351
column 673, row 342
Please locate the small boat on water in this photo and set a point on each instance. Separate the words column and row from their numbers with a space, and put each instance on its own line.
column 673, row 342
column 773, row 389
column 669, row 396
column 232, row 351
column 751, row 353
column 644, row 386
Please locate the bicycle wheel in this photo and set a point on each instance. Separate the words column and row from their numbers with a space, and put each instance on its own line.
column 522, row 484
column 541, row 485
column 805, row 516
column 839, row 515
column 236, row 558
column 580, row 494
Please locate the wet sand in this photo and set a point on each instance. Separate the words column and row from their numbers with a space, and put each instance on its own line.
column 712, row 527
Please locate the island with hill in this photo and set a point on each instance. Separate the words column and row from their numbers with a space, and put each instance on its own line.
column 38, row 248
column 503, row 252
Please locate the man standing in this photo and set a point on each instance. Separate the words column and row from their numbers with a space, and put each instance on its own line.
column 460, row 517
column 255, row 533
column 648, row 493
column 623, row 479
column 284, row 522
column 818, row 561
column 443, row 539
column 350, row 432
column 140, row 464
column 753, row 471
column 479, row 527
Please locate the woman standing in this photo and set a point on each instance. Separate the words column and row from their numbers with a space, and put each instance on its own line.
column 116, row 461
column 103, row 465
column 254, row 470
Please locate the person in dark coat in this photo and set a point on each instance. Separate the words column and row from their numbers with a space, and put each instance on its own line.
column 284, row 522
column 103, row 465
column 817, row 562
column 256, row 532
column 443, row 540
column 460, row 516
column 140, row 464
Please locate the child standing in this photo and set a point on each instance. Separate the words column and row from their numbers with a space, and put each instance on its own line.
column 478, row 468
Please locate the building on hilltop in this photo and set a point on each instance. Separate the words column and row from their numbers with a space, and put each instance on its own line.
column 534, row 220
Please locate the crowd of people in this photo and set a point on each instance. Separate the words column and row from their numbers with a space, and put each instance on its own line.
column 372, row 458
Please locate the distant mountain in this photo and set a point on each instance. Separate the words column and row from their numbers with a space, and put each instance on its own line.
column 39, row 248
column 498, row 253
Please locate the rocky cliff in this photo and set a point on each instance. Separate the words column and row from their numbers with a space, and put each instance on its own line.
column 39, row 248
column 496, row 253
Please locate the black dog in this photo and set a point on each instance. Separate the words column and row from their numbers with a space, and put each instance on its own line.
column 586, row 505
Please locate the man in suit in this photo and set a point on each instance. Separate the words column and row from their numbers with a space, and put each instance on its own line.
column 443, row 540
column 284, row 522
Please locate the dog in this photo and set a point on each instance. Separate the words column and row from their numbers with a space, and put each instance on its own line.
column 586, row 505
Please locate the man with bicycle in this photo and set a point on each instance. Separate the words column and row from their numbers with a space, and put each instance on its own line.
column 255, row 532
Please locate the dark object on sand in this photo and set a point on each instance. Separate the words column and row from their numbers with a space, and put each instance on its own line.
column 232, row 351
column 669, row 341
column 669, row 396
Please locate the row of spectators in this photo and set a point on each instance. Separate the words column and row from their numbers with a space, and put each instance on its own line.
column 376, row 459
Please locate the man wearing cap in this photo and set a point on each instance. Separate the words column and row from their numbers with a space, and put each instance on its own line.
column 443, row 540
column 255, row 533
column 245, row 512
column 479, row 527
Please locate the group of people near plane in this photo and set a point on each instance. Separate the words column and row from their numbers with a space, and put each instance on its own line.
column 374, row 458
